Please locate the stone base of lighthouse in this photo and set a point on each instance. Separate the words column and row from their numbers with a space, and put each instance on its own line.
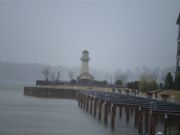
column 85, row 79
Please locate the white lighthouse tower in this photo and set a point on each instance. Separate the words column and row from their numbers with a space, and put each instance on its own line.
column 85, row 62
column 85, row 76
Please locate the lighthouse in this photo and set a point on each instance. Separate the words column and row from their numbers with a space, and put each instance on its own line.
column 85, row 77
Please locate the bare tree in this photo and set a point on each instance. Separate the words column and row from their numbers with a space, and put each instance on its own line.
column 53, row 78
column 58, row 75
column 71, row 75
column 46, row 72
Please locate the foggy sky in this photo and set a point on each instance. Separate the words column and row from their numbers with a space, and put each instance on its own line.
column 119, row 34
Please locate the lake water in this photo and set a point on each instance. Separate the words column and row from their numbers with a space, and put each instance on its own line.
column 24, row 115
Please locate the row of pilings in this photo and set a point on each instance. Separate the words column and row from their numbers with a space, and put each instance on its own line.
column 150, row 117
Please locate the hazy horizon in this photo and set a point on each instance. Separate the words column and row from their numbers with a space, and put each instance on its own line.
column 123, row 34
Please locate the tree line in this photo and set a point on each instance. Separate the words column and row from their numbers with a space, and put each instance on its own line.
column 145, row 83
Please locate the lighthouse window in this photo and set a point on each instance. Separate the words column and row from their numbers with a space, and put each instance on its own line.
column 85, row 55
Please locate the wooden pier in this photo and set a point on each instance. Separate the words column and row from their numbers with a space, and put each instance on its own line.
column 149, row 116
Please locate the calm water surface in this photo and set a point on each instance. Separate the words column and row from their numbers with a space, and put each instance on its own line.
column 23, row 115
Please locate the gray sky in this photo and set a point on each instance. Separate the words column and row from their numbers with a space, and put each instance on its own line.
column 117, row 33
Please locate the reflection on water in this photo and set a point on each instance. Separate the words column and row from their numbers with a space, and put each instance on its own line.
column 23, row 115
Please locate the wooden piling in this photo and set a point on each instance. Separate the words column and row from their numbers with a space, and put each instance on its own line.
column 146, row 120
column 100, row 107
column 91, row 104
column 79, row 99
column 95, row 107
column 84, row 101
column 113, row 115
column 169, row 126
column 152, row 124
column 140, row 124
column 120, row 111
column 131, row 110
column 127, row 113
column 136, row 116
column 179, row 125
column 109, row 107
column 87, row 103
column 165, row 124
column 105, row 113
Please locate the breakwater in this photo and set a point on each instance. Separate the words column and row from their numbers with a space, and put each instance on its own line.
column 50, row 92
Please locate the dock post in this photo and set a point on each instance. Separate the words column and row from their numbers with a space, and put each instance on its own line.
column 127, row 113
column 105, row 113
column 152, row 124
column 79, row 99
column 82, row 99
column 136, row 116
column 84, row 102
column 131, row 110
column 140, row 122
column 179, row 125
column 120, row 111
column 109, row 107
column 87, row 103
column 91, row 105
column 169, row 126
column 100, row 107
column 165, row 124
column 113, row 115
column 146, row 120
column 95, row 107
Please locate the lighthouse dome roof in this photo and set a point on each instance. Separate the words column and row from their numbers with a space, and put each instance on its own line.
column 85, row 51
